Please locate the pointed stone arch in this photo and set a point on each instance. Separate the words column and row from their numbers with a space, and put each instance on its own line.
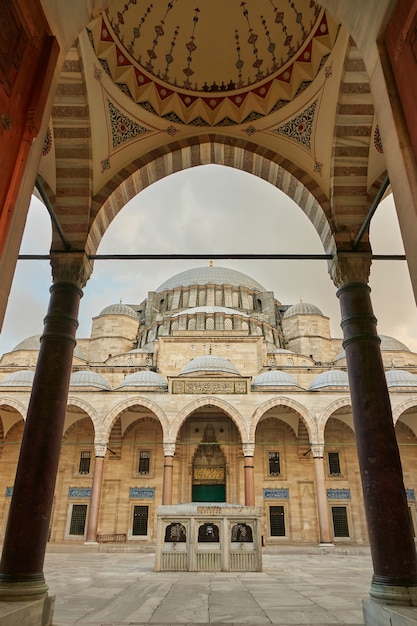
column 287, row 402
column 114, row 413
column 230, row 411
column 327, row 413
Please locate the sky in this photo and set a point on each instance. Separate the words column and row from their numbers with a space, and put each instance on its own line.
column 211, row 209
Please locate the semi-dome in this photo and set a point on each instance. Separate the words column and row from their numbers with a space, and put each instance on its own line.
column 210, row 275
column 302, row 308
column 400, row 378
column 33, row 343
column 210, row 363
column 86, row 378
column 274, row 378
column 388, row 344
column 119, row 309
column 332, row 378
column 144, row 379
column 23, row 378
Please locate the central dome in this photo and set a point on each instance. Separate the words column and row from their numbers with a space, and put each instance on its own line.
column 210, row 276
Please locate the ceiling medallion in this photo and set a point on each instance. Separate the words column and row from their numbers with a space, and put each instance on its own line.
column 189, row 63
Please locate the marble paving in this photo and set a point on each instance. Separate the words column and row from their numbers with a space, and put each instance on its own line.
column 115, row 589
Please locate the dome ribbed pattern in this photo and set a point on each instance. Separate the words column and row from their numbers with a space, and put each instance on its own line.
column 332, row 378
column 210, row 276
column 401, row 378
column 119, row 309
column 210, row 363
column 274, row 378
column 388, row 344
column 144, row 379
column 88, row 379
column 18, row 379
column 302, row 308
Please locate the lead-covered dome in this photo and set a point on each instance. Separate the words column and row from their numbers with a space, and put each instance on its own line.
column 210, row 363
column 33, row 343
column 302, row 308
column 330, row 379
column 119, row 309
column 146, row 378
column 274, row 378
column 86, row 378
column 210, row 276
column 23, row 378
column 400, row 378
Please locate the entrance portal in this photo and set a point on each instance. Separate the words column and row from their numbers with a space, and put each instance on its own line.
column 209, row 470
column 209, row 493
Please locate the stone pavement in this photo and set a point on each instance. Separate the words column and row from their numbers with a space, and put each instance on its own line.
column 114, row 589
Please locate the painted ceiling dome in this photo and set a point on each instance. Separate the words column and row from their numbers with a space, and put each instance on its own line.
column 210, row 276
column 179, row 60
column 119, row 309
column 302, row 308
column 33, row 343
column 144, row 379
column 274, row 378
column 332, row 378
column 86, row 378
column 18, row 379
column 210, row 363
column 400, row 378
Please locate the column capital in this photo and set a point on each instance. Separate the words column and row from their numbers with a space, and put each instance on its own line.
column 100, row 449
column 317, row 449
column 71, row 267
column 169, row 449
column 350, row 267
column 248, row 448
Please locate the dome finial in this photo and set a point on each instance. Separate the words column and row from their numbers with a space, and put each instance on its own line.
column 211, row 263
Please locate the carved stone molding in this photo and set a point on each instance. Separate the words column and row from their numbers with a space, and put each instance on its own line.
column 350, row 267
column 71, row 267
column 318, row 450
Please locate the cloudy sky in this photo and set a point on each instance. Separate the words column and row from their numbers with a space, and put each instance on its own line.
column 214, row 210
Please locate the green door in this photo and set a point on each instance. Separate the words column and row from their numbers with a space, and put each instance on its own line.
column 209, row 493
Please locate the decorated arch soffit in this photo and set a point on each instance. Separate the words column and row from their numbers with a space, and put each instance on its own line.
column 180, row 71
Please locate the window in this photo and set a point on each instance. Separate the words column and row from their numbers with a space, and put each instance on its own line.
column 144, row 466
column 78, row 517
column 277, row 521
column 334, row 464
column 85, row 462
column 340, row 521
column 140, row 520
column 274, row 464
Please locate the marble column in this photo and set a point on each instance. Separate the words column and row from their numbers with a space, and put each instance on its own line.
column 321, row 492
column 94, row 510
column 249, row 473
column 169, row 451
column 21, row 566
column 389, row 525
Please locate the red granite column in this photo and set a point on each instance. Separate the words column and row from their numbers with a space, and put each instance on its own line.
column 21, row 566
column 249, row 469
column 169, row 451
column 389, row 525
column 322, row 508
column 94, row 510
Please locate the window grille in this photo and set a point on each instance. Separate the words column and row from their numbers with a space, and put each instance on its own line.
column 340, row 521
column 228, row 324
column 210, row 323
column 140, row 520
column 85, row 462
column 144, row 462
column 78, row 517
column 334, row 464
column 277, row 521
column 274, row 464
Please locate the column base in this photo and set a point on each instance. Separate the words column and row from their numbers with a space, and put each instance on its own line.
column 399, row 595
column 380, row 614
column 12, row 591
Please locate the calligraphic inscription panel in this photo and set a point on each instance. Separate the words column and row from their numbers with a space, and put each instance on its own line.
column 208, row 473
column 209, row 386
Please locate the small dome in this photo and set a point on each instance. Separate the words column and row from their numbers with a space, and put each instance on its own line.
column 211, row 309
column 24, row 378
column 86, row 378
column 119, row 309
column 144, row 379
column 400, row 378
column 388, row 344
column 332, row 378
column 274, row 378
column 210, row 363
column 33, row 343
column 302, row 308
column 210, row 276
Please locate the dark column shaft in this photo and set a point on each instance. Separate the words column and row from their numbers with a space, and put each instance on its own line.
column 31, row 505
column 389, row 525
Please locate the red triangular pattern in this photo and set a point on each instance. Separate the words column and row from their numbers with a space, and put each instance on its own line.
column 322, row 28
column 213, row 103
column 238, row 99
column 163, row 92
column 286, row 74
column 186, row 99
column 141, row 79
column 105, row 35
column 121, row 58
column 305, row 56
column 262, row 91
